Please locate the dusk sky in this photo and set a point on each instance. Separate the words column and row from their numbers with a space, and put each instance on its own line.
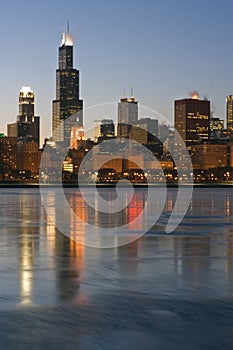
column 163, row 48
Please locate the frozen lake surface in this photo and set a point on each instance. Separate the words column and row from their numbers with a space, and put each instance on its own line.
column 159, row 292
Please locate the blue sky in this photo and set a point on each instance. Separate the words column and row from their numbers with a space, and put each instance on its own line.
column 163, row 48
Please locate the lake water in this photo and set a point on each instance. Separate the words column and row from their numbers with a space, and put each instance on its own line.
column 162, row 291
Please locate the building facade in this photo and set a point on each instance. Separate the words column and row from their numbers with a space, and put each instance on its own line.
column 67, row 109
column 208, row 156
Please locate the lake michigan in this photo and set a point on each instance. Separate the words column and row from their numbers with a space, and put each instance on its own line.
column 161, row 291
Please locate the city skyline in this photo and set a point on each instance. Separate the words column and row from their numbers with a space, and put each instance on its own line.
column 162, row 52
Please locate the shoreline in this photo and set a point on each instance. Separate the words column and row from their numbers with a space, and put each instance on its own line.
column 108, row 185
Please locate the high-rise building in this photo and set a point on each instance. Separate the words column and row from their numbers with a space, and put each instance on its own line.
column 8, row 150
column 217, row 128
column 67, row 108
column 229, row 113
column 127, row 115
column 107, row 129
column 192, row 120
column 144, row 130
column 27, row 126
column 216, row 124
column 97, row 124
column 103, row 129
column 28, row 156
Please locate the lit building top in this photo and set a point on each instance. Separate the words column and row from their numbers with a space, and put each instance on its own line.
column 26, row 91
column 195, row 96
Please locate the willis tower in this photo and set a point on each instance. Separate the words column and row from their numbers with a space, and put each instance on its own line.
column 67, row 109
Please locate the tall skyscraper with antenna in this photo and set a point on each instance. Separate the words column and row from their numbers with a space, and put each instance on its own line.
column 67, row 109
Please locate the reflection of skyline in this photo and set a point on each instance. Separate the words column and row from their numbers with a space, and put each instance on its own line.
column 27, row 248
column 99, row 218
column 26, row 267
column 56, row 267
column 70, row 255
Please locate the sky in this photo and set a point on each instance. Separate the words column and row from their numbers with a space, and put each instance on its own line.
column 163, row 48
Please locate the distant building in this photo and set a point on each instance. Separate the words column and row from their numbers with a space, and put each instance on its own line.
column 67, row 109
column 104, row 129
column 229, row 114
column 96, row 130
column 27, row 126
column 28, row 156
column 216, row 124
column 105, row 161
column 192, row 120
column 155, row 165
column 163, row 132
column 216, row 128
column 127, row 115
column 207, row 156
column 231, row 155
column 107, row 129
column 133, row 162
column 144, row 131
column 77, row 134
column 8, row 151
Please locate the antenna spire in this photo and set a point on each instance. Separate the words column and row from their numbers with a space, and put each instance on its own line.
column 131, row 91
column 63, row 36
column 68, row 27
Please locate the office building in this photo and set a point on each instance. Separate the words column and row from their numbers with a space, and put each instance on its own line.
column 207, row 156
column 192, row 120
column 8, row 150
column 27, row 126
column 67, row 109
column 107, row 129
column 127, row 115
column 144, row 131
column 229, row 113
column 217, row 128
column 28, row 156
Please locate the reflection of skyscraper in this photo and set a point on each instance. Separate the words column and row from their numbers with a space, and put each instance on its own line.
column 192, row 119
column 67, row 108
column 127, row 115
column 27, row 126
column 229, row 112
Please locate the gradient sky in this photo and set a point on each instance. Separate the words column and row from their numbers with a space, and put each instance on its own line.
column 163, row 48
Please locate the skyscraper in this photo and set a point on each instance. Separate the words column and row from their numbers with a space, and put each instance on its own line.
column 127, row 115
column 192, row 120
column 27, row 126
column 67, row 108
column 229, row 112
